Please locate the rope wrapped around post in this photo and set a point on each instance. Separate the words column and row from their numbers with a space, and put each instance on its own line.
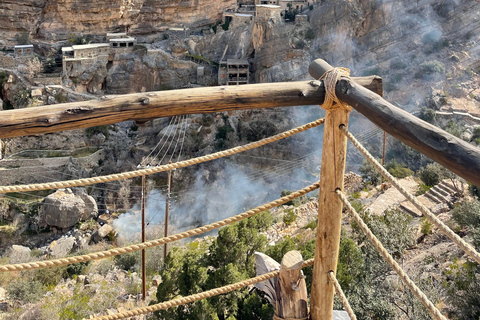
column 330, row 79
column 430, row 216
column 167, row 167
column 434, row 312
column 157, row 242
column 195, row 297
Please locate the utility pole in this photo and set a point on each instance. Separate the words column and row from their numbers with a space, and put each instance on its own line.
column 384, row 140
column 167, row 210
column 144, row 274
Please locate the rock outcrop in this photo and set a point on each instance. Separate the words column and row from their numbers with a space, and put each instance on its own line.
column 63, row 209
column 60, row 19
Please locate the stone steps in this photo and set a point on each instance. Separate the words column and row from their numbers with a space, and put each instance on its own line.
column 435, row 199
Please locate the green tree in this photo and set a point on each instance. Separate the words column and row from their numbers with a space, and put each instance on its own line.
column 434, row 173
column 370, row 173
column 463, row 290
column 200, row 267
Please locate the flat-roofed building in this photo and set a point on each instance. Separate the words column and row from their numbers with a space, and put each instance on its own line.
column 122, row 42
column 23, row 50
column 268, row 11
column 83, row 52
column 237, row 71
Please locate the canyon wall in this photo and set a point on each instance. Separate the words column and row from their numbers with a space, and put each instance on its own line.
column 60, row 19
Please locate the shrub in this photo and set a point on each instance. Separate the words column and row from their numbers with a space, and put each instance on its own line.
column 422, row 188
column 309, row 35
column 429, row 68
column 312, row 224
column 428, row 115
column 289, row 217
column 432, row 174
column 370, row 173
column 398, row 170
column 25, row 290
column 21, row 98
column 463, row 290
column 286, row 193
column 397, row 64
column 426, row 226
column 127, row 261
column 61, row 97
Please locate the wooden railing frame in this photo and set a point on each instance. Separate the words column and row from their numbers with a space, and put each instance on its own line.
column 442, row 147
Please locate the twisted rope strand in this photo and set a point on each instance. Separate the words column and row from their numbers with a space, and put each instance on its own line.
column 427, row 213
column 195, row 297
column 167, row 167
column 157, row 242
column 389, row 259
column 342, row 296
column 330, row 79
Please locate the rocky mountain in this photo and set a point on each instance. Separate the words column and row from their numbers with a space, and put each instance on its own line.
column 59, row 19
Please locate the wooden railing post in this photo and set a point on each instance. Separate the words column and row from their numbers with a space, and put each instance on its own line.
column 329, row 213
column 287, row 292
column 291, row 290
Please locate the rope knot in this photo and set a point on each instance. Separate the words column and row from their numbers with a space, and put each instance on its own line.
column 330, row 79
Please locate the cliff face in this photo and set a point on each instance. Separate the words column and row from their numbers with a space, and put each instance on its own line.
column 58, row 19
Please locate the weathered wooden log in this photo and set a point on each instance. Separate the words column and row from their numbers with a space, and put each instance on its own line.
column 287, row 292
column 329, row 213
column 291, row 289
column 439, row 145
column 151, row 105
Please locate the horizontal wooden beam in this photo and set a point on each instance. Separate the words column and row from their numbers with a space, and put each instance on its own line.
column 451, row 152
column 146, row 106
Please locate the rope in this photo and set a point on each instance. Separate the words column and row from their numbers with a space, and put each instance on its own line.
column 439, row 224
column 149, row 171
column 153, row 243
column 330, row 79
column 389, row 259
column 195, row 297
column 342, row 296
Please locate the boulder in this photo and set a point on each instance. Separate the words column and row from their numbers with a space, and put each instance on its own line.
column 61, row 247
column 353, row 182
column 91, row 208
column 63, row 209
column 19, row 220
column 102, row 233
column 19, row 254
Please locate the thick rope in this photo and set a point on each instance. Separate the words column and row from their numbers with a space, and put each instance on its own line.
column 167, row 167
column 157, row 242
column 330, row 79
column 427, row 213
column 195, row 297
column 436, row 314
column 342, row 296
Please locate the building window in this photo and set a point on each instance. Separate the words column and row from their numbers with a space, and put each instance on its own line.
column 19, row 50
column 28, row 50
column 123, row 44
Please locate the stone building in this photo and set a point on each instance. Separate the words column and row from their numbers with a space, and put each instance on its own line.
column 237, row 19
column 299, row 5
column 301, row 18
column 268, row 11
column 84, row 52
column 23, row 50
column 117, row 43
column 233, row 72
